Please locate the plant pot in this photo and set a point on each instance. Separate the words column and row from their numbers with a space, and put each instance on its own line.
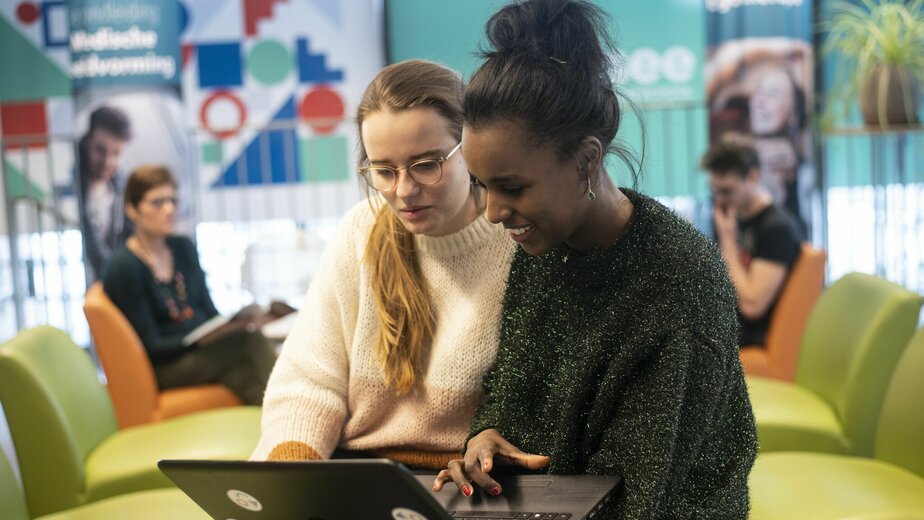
column 889, row 96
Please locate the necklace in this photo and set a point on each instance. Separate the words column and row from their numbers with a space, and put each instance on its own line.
column 178, row 311
column 183, row 311
column 151, row 261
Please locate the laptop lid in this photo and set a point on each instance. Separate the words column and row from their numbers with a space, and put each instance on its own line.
column 373, row 489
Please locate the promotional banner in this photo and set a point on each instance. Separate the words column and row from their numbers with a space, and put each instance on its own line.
column 270, row 89
column 124, row 43
column 260, row 136
column 759, row 81
column 125, row 63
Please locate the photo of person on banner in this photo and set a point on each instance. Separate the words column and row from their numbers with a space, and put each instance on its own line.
column 762, row 87
column 113, row 141
column 101, row 180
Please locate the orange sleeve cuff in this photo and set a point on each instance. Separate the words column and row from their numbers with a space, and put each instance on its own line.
column 293, row 450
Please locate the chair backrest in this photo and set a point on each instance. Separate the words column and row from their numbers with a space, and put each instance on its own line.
column 12, row 501
column 129, row 374
column 855, row 335
column 790, row 316
column 900, row 434
column 57, row 411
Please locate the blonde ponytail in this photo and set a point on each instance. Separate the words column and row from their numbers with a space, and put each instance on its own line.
column 401, row 299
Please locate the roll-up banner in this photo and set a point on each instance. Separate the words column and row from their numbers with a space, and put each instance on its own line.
column 759, row 81
column 125, row 68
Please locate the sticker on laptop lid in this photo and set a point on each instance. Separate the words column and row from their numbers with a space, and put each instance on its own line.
column 403, row 513
column 244, row 500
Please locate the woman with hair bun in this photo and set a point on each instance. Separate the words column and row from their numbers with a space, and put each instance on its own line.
column 618, row 351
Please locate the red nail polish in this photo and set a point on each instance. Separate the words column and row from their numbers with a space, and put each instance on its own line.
column 495, row 491
column 467, row 491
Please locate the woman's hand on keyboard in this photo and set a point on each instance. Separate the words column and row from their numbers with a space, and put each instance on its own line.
column 481, row 453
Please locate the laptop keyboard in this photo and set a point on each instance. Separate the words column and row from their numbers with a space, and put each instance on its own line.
column 507, row 515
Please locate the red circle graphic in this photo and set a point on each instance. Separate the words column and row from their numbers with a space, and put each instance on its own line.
column 322, row 108
column 27, row 12
column 223, row 133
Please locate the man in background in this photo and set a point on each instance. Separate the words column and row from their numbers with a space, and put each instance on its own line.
column 102, row 212
column 759, row 240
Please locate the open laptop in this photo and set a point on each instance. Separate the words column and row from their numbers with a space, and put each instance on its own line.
column 375, row 489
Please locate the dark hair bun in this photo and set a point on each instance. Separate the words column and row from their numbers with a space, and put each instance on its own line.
column 559, row 31
column 548, row 69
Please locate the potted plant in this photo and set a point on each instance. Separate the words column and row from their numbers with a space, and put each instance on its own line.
column 879, row 49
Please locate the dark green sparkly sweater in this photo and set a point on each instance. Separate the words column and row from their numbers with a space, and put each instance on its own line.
column 625, row 361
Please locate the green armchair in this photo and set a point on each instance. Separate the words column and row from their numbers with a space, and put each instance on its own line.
column 820, row 486
column 64, row 429
column 853, row 340
column 143, row 505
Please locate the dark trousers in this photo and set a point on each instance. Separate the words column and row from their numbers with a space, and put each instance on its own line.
column 242, row 361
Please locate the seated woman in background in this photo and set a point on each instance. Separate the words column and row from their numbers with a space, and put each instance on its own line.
column 157, row 282
column 400, row 323
column 619, row 348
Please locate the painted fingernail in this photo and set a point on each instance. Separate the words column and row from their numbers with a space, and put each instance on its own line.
column 495, row 491
column 467, row 491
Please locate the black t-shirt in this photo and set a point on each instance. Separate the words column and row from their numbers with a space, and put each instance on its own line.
column 770, row 235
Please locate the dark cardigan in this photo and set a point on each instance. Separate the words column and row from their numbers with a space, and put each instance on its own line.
column 625, row 361
column 131, row 285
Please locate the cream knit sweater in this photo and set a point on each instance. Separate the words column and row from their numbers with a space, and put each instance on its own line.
column 327, row 389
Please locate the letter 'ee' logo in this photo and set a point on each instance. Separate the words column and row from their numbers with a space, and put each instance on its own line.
column 676, row 65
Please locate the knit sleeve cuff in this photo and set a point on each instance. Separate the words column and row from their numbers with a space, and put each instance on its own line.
column 292, row 451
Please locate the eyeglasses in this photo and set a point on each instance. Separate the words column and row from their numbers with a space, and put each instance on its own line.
column 160, row 202
column 425, row 172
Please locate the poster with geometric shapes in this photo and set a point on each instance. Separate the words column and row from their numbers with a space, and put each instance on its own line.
column 270, row 88
column 36, row 110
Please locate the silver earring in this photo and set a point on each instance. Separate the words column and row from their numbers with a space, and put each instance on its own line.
column 590, row 192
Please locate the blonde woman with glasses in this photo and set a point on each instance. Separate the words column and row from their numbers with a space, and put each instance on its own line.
column 401, row 322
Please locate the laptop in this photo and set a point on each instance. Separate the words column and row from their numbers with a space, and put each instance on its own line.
column 375, row 489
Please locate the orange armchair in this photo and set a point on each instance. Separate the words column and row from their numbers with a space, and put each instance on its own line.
column 777, row 358
column 130, row 376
